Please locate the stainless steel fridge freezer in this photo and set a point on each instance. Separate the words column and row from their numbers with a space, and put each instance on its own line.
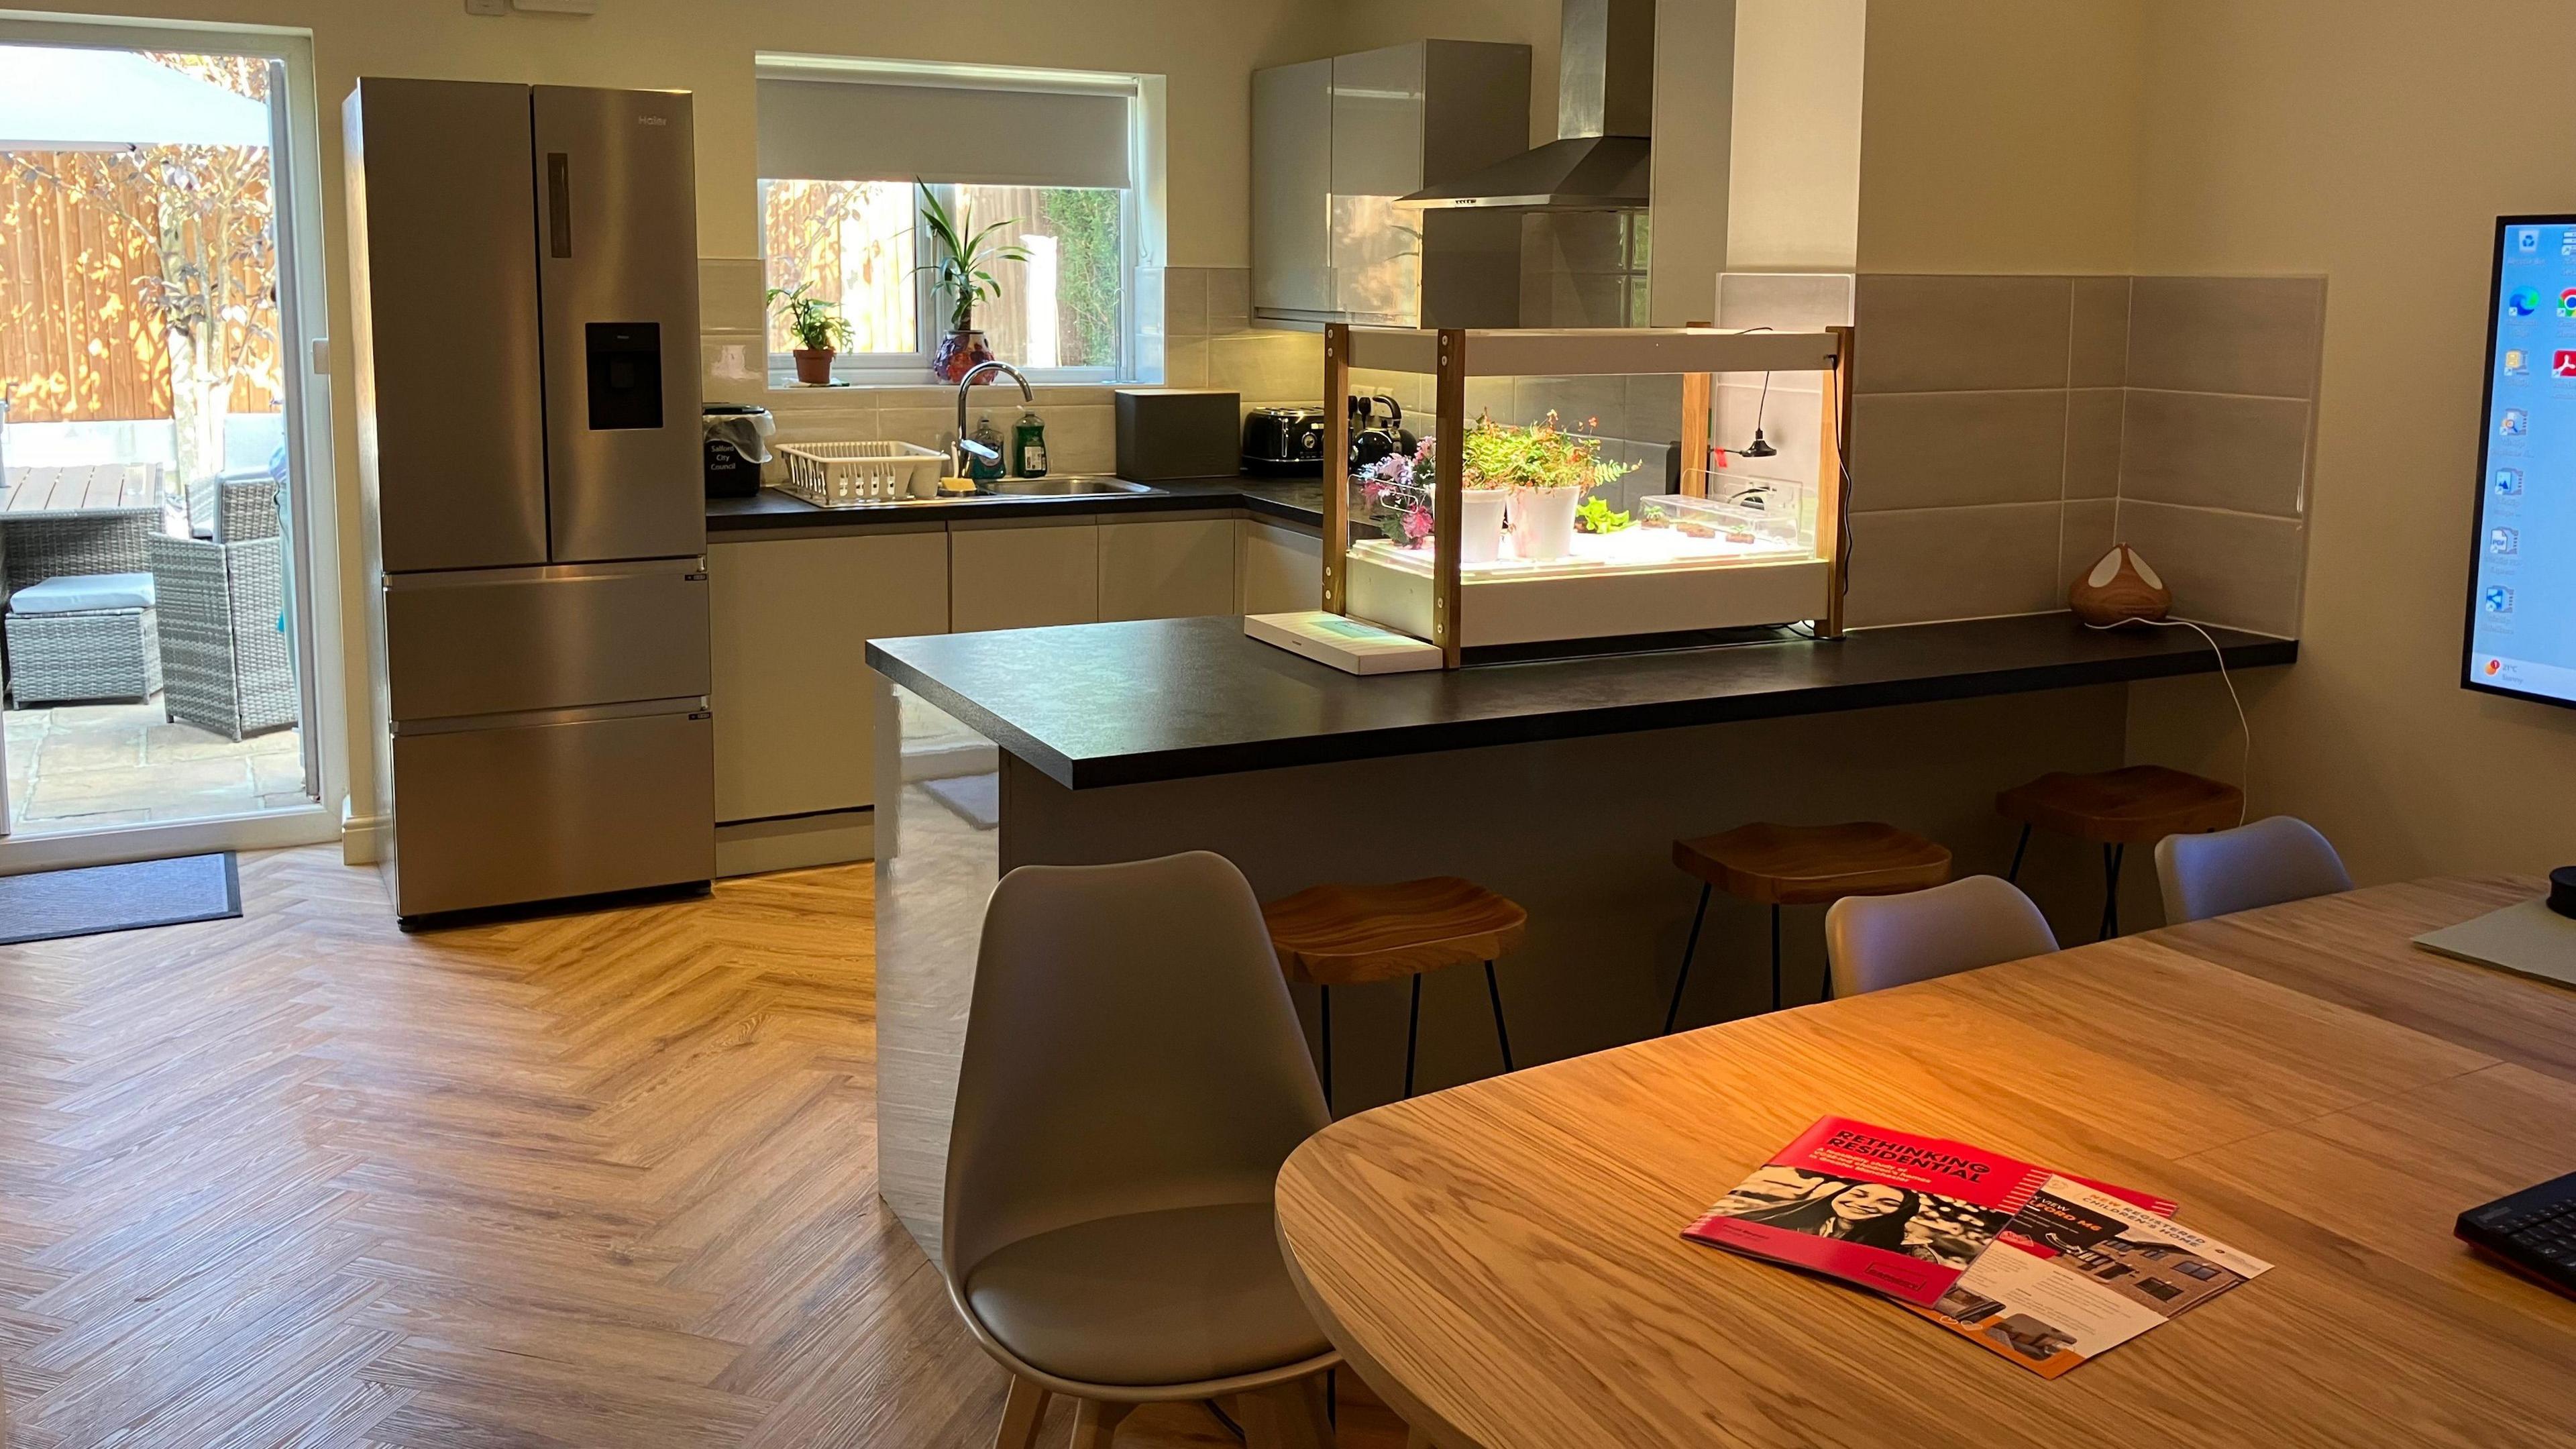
column 524, row 263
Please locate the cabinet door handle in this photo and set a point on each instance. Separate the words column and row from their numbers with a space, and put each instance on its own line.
column 559, row 202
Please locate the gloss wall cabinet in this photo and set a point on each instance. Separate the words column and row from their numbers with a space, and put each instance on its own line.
column 1335, row 142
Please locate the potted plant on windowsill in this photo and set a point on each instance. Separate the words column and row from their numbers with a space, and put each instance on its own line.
column 962, row 272
column 819, row 327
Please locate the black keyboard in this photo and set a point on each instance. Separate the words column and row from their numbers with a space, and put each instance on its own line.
column 2534, row 1230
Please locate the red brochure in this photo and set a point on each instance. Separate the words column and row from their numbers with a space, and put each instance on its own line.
column 1893, row 1211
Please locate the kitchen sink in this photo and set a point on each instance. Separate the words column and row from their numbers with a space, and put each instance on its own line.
column 1067, row 485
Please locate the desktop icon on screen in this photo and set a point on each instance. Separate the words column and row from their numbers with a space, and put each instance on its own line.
column 2523, row 302
column 2526, row 239
column 2508, row 483
column 2496, row 599
column 2562, row 364
column 2504, row 542
column 2517, row 363
column 2494, row 667
column 2567, row 303
column 2515, row 423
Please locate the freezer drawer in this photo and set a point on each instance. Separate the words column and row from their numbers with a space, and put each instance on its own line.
column 569, row 806
column 499, row 641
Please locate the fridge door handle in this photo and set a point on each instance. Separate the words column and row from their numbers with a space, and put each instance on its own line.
column 559, row 203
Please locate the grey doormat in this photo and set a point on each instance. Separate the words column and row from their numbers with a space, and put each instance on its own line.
column 50, row 905
column 975, row 799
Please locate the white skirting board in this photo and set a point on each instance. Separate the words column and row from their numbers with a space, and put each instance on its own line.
column 362, row 837
column 752, row 847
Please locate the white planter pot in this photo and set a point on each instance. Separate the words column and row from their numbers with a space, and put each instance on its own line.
column 1480, row 524
column 1543, row 522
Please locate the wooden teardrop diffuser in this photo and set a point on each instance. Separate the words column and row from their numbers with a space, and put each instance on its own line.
column 2119, row 587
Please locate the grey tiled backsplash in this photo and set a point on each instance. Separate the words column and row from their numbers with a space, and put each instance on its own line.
column 2009, row 426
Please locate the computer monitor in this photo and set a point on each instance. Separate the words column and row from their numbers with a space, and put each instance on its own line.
column 2521, row 632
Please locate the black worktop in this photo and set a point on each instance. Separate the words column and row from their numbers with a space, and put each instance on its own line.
column 731, row 520
column 1162, row 699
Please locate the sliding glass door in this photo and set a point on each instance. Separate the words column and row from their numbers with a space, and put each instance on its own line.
column 164, row 538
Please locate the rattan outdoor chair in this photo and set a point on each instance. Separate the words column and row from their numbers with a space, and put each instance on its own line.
column 227, row 661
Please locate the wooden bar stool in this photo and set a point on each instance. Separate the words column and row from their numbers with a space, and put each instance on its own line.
column 1343, row 935
column 1801, row 865
column 2115, row 809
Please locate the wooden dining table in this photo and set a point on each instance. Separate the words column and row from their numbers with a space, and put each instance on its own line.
column 84, row 488
column 1503, row 1262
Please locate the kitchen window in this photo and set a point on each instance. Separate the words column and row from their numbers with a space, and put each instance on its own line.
column 1051, row 159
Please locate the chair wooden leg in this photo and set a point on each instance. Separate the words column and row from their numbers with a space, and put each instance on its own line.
column 1022, row 1413
column 1095, row 1423
column 1292, row 1415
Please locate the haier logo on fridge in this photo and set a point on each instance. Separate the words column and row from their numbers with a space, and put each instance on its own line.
column 652, row 120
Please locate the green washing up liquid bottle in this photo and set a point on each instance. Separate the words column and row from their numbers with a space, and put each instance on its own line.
column 976, row 466
column 1028, row 446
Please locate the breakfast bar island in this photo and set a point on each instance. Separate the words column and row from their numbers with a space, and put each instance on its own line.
column 1561, row 784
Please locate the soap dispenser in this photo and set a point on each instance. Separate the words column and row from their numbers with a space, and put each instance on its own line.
column 1028, row 446
column 986, row 467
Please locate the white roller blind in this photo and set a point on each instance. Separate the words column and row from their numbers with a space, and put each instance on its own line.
column 866, row 130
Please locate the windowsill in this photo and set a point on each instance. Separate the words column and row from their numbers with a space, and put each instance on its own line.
column 915, row 394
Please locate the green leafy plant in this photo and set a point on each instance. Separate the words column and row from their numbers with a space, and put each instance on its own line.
column 1596, row 516
column 818, row 325
column 1544, row 455
column 962, row 270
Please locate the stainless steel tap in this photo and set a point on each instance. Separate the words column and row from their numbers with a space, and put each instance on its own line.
column 965, row 385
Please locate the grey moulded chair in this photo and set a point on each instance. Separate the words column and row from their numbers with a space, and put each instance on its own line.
column 1875, row 942
column 1133, row 1077
column 2274, row 860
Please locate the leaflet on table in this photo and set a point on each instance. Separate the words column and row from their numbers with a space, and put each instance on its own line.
column 1894, row 1211
column 2078, row 1272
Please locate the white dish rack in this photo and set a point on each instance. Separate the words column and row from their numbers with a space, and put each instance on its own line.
column 853, row 475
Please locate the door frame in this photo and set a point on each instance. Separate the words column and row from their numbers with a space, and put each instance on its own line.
column 312, row 486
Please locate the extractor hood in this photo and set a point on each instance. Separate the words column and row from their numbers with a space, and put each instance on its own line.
column 1605, row 106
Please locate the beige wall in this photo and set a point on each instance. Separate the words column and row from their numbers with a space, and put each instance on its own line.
column 2373, row 141
column 1795, row 176
column 2000, row 136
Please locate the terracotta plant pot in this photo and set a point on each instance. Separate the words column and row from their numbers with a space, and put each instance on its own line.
column 813, row 366
column 961, row 350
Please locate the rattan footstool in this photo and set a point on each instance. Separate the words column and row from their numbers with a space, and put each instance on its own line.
column 87, row 636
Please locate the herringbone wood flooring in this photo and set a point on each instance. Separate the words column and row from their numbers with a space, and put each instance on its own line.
column 603, row 1181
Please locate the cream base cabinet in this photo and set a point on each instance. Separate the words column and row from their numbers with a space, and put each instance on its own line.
column 795, row 724
column 1281, row 569
column 1006, row 577
column 1167, row 569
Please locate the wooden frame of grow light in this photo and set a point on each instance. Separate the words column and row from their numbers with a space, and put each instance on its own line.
column 1452, row 355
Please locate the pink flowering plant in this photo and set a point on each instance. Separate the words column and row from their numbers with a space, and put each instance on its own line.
column 1395, row 496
